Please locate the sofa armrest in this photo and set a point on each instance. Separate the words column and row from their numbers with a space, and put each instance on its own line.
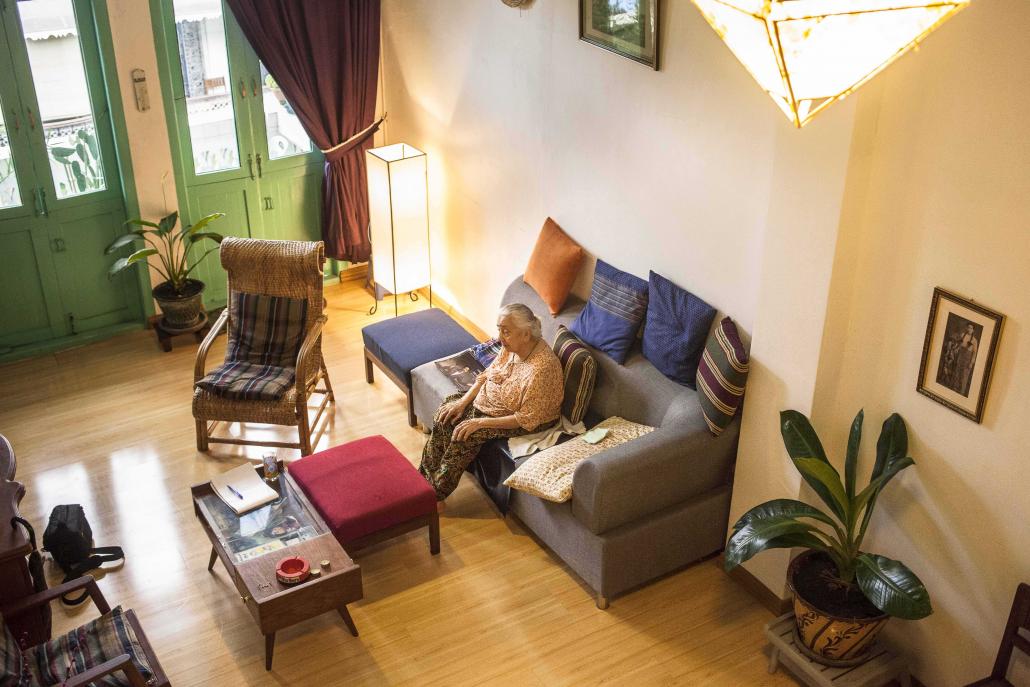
column 655, row 471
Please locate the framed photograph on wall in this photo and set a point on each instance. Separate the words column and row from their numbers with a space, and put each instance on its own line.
column 958, row 353
column 626, row 27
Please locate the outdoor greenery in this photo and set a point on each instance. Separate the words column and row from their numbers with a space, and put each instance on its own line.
column 173, row 248
column 621, row 19
column 786, row 523
column 81, row 163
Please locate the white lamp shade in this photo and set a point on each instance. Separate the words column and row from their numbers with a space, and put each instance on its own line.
column 398, row 211
column 807, row 54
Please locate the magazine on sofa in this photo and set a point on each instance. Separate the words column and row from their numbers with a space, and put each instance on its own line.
column 462, row 369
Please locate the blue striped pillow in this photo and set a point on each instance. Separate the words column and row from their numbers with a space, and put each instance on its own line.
column 611, row 320
column 721, row 376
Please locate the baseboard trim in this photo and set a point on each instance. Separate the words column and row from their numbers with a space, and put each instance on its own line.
column 755, row 588
column 453, row 312
column 354, row 273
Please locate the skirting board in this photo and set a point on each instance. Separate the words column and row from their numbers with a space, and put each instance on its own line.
column 458, row 317
column 762, row 594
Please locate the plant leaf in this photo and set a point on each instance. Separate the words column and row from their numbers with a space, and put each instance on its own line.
column 892, row 587
column 782, row 508
column 754, row 537
column 785, row 541
column 119, row 265
column 799, row 437
column 203, row 222
column 877, row 485
column 217, row 238
column 123, row 240
column 892, row 444
column 62, row 153
column 141, row 254
column 822, row 477
column 142, row 223
column 167, row 223
column 851, row 460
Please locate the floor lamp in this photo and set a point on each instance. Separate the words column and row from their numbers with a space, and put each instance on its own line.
column 398, row 210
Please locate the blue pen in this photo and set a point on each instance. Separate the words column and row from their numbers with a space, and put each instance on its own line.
column 238, row 494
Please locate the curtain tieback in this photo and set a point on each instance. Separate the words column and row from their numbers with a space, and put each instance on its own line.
column 340, row 149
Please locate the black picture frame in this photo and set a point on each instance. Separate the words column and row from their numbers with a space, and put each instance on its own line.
column 622, row 37
column 959, row 352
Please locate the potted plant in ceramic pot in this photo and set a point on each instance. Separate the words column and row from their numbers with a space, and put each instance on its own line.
column 179, row 296
column 843, row 596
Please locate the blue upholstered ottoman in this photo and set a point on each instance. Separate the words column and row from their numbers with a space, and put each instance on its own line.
column 399, row 345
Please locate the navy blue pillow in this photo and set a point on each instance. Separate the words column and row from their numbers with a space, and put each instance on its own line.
column 676, row 329
column 611, row 320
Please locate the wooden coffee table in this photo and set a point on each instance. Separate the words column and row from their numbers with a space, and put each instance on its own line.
column 250, row 546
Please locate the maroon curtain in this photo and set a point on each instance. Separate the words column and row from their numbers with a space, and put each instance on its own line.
column 324, row 54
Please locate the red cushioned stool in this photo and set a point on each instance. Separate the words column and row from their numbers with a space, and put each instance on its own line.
column 367, row 492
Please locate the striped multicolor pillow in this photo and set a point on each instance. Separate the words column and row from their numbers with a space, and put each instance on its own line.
column 721, row 376
column 580, row 370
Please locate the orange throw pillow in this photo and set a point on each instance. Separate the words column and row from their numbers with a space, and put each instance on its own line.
column 553, row 266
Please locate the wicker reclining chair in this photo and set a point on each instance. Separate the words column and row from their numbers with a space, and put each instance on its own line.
column 274, row 279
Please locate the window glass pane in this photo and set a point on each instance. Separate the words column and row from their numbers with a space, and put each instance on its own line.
column 65, row 111
column 205, row 77
column 9, row 196
column 286, row 136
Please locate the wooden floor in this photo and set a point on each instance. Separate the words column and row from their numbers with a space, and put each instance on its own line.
column 109, row 426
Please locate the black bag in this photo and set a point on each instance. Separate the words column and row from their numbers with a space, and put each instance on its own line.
column 69, row 539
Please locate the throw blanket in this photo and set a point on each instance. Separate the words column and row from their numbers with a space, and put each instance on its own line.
column 548, row 474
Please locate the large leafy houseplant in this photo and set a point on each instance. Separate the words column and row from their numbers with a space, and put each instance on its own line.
column 178, row 295
column 838, row 534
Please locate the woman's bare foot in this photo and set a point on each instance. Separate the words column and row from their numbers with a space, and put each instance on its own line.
column 440, row 506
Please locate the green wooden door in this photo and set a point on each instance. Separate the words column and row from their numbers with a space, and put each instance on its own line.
column 239, row 147
column 67, row 204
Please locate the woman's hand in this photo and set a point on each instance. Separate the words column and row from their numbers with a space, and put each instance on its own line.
column 465, row 429
column 451, row 412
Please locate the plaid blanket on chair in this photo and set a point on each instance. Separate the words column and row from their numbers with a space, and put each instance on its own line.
column 264, row 339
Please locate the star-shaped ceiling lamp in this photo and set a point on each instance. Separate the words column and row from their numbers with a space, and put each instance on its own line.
column 808, row 54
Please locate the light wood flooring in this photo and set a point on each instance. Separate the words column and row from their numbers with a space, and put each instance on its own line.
column 109, row 426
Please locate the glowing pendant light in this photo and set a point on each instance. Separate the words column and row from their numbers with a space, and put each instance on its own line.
column 807, row 54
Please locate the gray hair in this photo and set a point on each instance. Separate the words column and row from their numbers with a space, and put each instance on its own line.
column 522, row 317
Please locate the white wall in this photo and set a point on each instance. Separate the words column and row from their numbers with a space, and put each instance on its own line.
column 825, row 244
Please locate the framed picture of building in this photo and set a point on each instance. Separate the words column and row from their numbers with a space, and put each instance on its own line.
column 626, row 27
column 958, row 353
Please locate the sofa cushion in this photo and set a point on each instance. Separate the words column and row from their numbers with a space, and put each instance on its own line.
column 553, row 266
column 548, row 474
column 12, row 663
column 676, row 329
column 89, row 645
column 403, row 343
column 580, row 372
column 363, row 487
column 617, row 305
column 721, row 376
column 243, row 381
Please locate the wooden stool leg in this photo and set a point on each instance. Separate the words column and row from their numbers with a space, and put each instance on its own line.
column 434, row 534
column 368, row 368
column 412, row 420
column 602, row 601
column 347, row 620
column 774, row 659
column 211, row 561
column 269, row 649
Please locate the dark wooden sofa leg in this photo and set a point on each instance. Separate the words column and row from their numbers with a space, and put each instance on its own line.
column 602, row 601
column 434, row 534
column 368, row 368
column 412, row 420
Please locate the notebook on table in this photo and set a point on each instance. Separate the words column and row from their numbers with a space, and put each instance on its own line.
column 242, row 489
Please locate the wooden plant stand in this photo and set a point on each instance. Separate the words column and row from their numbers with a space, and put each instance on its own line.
column 165, row 336
column 883, row 667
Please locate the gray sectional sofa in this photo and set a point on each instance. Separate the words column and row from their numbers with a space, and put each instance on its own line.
column 638, row 510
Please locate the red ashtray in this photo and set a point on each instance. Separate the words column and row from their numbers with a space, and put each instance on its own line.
column 293, row 570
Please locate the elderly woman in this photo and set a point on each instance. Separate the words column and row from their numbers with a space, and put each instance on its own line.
column 519, row 393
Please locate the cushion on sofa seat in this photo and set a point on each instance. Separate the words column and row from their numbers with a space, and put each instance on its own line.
column 243, row 381
column 403, row 343
column 721, row 376
column 363, row 487
column 580, row 371
column 617, row 305
column 676, row 329
column 12, row 663
column 89, row 645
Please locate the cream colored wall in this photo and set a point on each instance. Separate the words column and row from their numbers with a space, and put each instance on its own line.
column 943, row 177
column 133, row 38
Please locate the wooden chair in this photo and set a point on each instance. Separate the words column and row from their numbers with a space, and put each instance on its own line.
column 1019, row 619
column 290, row 269
column 119, row 664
